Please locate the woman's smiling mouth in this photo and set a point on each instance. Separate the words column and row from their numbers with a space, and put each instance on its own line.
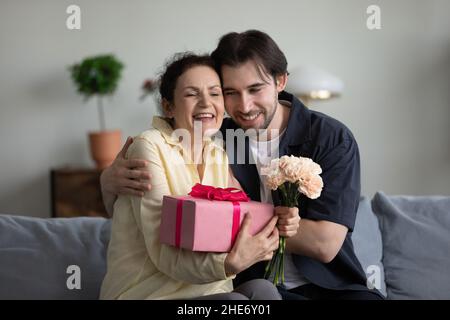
column 204, row 117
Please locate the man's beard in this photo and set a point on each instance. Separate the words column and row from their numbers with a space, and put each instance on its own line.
column 269, row 119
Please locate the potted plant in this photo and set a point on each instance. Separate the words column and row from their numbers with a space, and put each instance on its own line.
column 98, row 77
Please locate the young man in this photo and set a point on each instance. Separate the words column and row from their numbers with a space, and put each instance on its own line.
column 320, row 261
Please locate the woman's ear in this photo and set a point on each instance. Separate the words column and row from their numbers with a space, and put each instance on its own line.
column 281, row 81
column 167, row 108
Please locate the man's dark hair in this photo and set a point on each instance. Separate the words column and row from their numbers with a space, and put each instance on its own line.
column 179, row 64
column 236, row 48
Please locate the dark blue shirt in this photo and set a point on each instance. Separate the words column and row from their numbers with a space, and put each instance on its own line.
column 329, row 143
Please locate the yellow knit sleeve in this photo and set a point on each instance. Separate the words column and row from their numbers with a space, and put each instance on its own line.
column 179, row 264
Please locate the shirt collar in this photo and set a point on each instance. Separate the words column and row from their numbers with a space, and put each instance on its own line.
column 163, row 126
column 298, row 129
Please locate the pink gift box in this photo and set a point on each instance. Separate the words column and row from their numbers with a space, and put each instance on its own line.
column 208, row 225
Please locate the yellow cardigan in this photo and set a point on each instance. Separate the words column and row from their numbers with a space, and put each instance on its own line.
column 138, row 265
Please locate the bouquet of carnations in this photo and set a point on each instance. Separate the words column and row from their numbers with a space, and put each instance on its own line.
column 291, row 176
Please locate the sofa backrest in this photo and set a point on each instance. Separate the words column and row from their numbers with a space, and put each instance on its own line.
column 408, row 245
column 368, row 245
column 416, row 245
column 36, row 255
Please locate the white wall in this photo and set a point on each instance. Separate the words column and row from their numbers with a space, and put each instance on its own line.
column 396, row 99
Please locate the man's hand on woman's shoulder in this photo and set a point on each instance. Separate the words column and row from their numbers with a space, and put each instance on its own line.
column 126, row 176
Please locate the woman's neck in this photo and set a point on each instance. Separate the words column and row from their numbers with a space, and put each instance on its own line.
column 197, row 152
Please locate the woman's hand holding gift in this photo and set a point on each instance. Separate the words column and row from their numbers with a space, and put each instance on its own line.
column 248, row 250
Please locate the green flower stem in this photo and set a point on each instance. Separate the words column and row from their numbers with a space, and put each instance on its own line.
column 270, row 267
column 277, row 259
column 288, row 197
column 275, row 279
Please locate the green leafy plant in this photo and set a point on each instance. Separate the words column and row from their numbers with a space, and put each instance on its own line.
column 97, row 76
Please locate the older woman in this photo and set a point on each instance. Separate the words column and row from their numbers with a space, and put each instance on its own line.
column 139, row 266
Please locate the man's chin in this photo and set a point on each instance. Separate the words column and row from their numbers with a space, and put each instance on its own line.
column 257, row 125
column 249, row 130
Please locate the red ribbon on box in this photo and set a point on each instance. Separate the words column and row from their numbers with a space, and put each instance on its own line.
column 212, row 193
column 221, row 194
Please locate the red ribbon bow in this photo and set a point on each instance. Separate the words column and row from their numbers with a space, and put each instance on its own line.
column 221, row 194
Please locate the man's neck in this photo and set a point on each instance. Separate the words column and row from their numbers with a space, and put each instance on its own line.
column 278, row 123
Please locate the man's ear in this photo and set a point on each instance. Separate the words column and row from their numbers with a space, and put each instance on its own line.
column 167, row 108
column 281, row 81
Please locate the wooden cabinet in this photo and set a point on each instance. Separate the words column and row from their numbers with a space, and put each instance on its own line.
column 76, row 192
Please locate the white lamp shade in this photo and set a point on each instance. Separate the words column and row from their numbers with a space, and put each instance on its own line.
column 312, row 82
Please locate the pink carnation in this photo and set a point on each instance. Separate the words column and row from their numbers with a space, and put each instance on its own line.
column 298, row 170
column 273, row 176
column 311, row 186
column 290, row 166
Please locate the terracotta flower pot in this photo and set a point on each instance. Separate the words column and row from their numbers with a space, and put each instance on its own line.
column 105, row 145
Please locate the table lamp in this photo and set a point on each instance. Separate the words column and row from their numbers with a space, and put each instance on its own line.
column 311, row 83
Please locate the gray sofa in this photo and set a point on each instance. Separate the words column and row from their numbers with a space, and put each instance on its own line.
column 403, row 244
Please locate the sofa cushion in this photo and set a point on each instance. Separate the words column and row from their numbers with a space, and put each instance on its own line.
column 35, row 255
column 416, row 245
column 366, row 239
